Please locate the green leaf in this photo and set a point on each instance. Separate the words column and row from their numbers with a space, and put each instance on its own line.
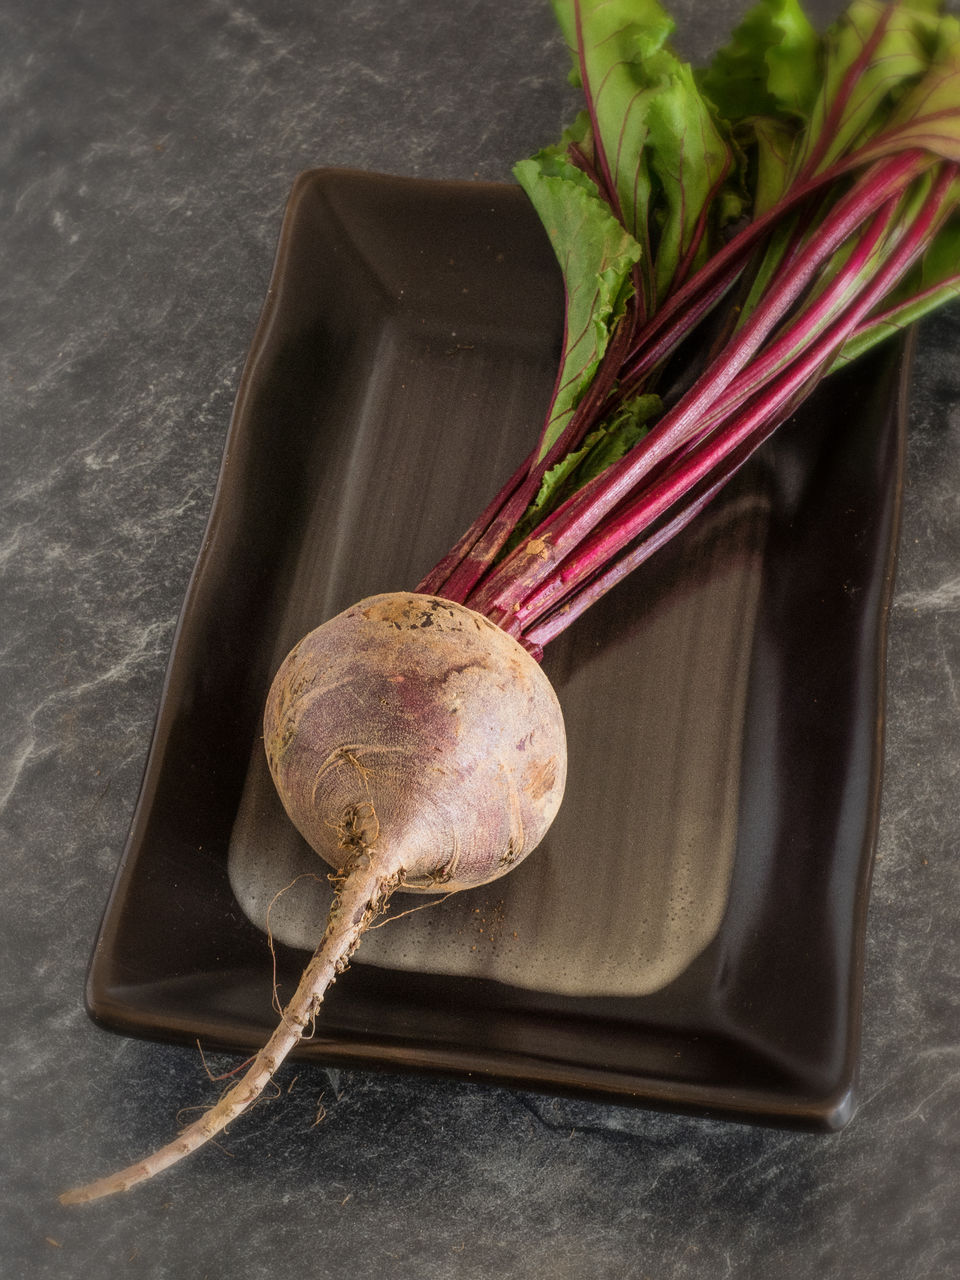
column 644, row 23
column 596, row 256
column 608, row 444
column 775, row 141
column 691, row 160
column 874, row 53
column 765, row 83
column 928, row 115
column 658, row 150
column 879, row 83
column 770, row 66
column 602, row 447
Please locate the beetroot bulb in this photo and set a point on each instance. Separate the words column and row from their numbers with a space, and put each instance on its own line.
column 416, row 746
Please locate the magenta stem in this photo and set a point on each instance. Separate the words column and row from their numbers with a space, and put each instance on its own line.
column 811, row 321
column 749, row 428
column 557, row 620
column 468, row 564
column 435, row 581
column 890, row 314
column 667, row 328
column 521, row 571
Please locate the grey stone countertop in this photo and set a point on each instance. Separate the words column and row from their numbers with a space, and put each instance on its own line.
column 146, row 153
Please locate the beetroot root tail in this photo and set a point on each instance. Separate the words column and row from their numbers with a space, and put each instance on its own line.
column 363, row 890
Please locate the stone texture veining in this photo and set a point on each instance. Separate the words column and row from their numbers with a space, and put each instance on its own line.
column 145, row 157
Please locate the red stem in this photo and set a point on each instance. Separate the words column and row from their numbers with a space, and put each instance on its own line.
column 889, row 315
column 461, row 570
column 667, row 328
column 557, row 620
column 744, row 429
column 521, row 572
column 651, row 344
column 806, row 326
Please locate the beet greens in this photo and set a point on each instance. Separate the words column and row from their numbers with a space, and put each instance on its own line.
column 762, row 222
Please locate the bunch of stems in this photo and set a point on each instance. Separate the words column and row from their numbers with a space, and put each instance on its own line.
column 829, row 285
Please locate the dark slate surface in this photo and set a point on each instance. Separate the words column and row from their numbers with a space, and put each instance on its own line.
column 145, row 155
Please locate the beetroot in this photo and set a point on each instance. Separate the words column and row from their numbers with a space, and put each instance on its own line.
column 453, row 770
column 416, row 746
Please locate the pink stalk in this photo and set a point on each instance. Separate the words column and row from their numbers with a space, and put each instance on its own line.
column 557, row 620
column 798, row 335
column 651, row 351
column 890, row 315
column 749, row 426
column 665, row 330
column 612, row 535
column 653, row 342
column 528, row 565
column 460, row 571
column 802, row 330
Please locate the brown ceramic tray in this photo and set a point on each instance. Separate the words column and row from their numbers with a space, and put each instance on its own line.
column 723, row 705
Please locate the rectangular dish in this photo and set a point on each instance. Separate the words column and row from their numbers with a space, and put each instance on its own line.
column 402, row 363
